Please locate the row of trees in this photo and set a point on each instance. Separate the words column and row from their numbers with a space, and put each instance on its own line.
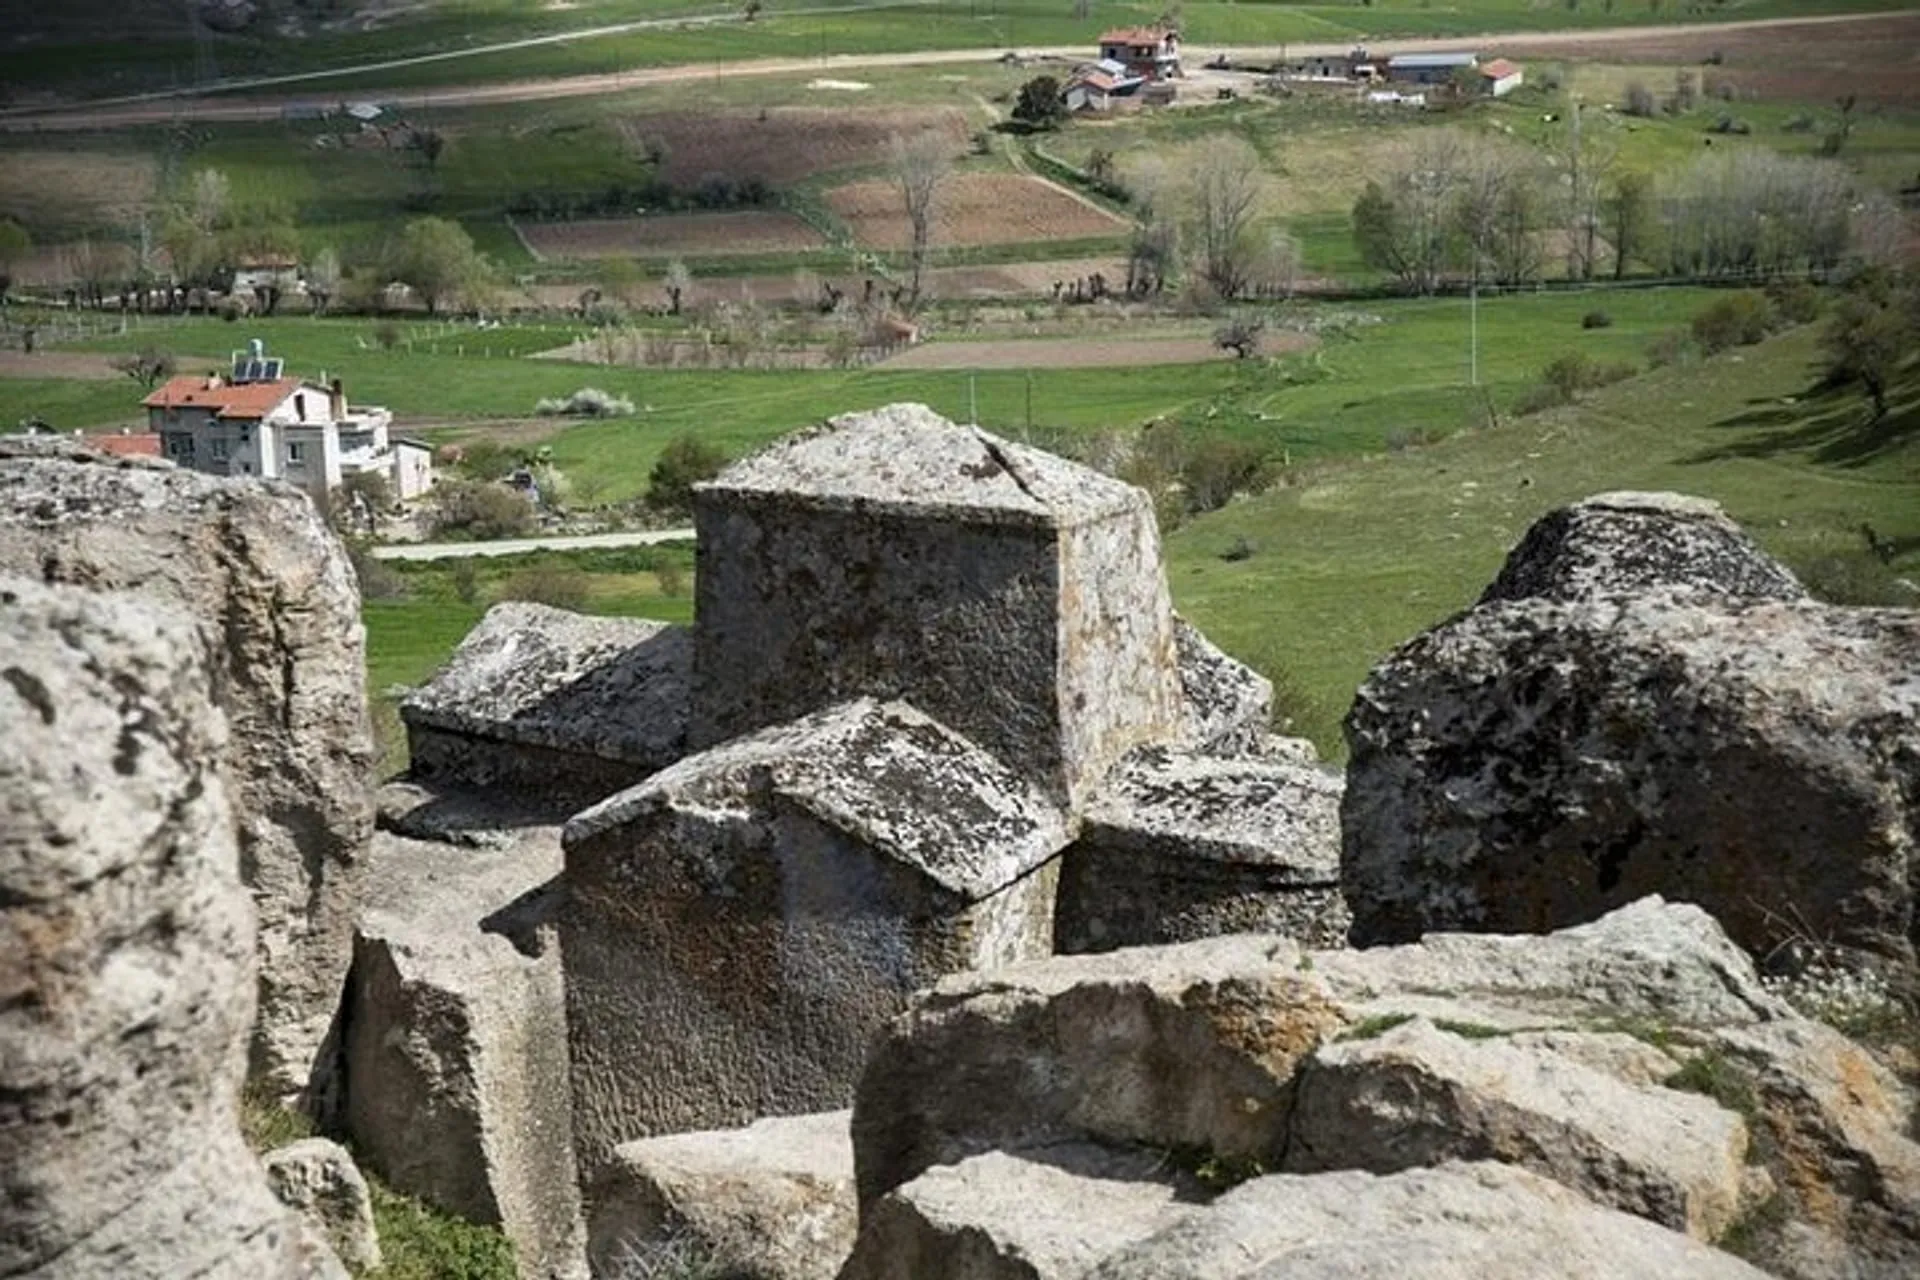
column 1456, row 205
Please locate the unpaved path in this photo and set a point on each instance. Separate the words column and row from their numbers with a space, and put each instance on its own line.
column 229, row 108
column 520, row 546
column 1079, row 353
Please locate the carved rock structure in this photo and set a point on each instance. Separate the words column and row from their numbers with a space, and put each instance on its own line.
column 277, row 616
column 1609, row 1100
column 1643, row 702
column 127, row 989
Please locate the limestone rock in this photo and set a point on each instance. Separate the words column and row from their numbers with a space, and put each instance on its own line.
column 1532, row 764
column 1013, row 596
column 565, row 708
column 1050, row 1213
column 1228, row 704
column 738, row 927
column 319, row 1180
column 1457, row 1222
column 1181, row 845
column 772, row 1201
column 1421, row 1094
column 1626, row 543
column 456, row 1046
column 1197, row 1046
column 279, row 620
column 128, row 990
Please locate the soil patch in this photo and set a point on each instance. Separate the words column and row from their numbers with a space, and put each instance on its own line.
column 973, row 209
column 75, row 190
column 86, row 366
column 671, row 235
column 782, row 145
column 1080, row 353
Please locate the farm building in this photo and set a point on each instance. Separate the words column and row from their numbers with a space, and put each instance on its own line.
column 1152, row 53
column 1093, row 87
column 1429, row 68
column 255, row 422
column 1499, row 78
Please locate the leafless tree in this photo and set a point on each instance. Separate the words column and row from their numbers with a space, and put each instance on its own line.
column 919, row 165
column 1588, row 160
column 677, row 282
column 1757, row 213
column 323, row 279
column 1402, row 222
column 1223, row 191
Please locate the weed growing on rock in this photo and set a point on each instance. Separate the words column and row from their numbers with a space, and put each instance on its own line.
column 1375, row 1027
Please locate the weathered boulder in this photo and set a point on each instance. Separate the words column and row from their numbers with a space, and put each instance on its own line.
column 772, row 1201
column 1228, row 704
column 738, row 927
column 1627, row 543
column 1423, row 1094
column 561, row 707
column 319, row 1180
column 456, row 1047
column 1544, row 758
column 127, row 992
column 1181, row 845
column 1456, row 1222
column 1011, row 595
column 1199, row 1046
column 1050, row 1213
column 279, row 619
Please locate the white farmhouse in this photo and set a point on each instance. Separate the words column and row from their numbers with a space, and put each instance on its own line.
column 254, row 421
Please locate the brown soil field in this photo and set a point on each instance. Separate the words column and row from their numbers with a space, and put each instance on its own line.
column 75, row 189
column 998, row 280
column 783, row 145
column 1876, row 57
column 81, row 365
column 1080, row 353
column 973, row 209
column 1019, row 279
column 671, row 235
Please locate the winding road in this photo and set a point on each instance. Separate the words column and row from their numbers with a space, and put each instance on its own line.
column 225, row 106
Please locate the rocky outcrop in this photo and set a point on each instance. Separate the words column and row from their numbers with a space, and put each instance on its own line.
column 318, row 1179
column 127, row 992
column 1183, row 845
column 1636, row 1061
column 1642, row 704
column 553, row 706
column 1228, row 704
column 456, row 1046
column 772, row 1201
column 277, row 616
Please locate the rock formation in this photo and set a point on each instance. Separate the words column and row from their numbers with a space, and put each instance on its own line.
column 1642, row 703
column 128, row 990
column 318, row 1179
column 278, row 620
column 1608, row 1100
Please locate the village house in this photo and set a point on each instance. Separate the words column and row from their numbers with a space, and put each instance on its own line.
column 1151, row 53
column 1499, row 78
column 254, row 421
column 1094, row 86
column 1429, row 68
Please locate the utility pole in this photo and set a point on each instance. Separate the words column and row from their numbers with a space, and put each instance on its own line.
column 973, row 399
column 1473, row 331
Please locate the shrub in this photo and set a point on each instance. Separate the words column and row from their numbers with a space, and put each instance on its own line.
column 386, row 336
column 1596, row 320
column 1730, row 124
column 377, row 579
column 465, row 578
column 1218, row 467
column 587, row 402
column 1675, row 346
column 479, row 510
column 1568, row 376
column 550, row 585
column 685, row 462
column 487, row 460
column 1640, row 100
column 1739, row 319
column 1793, row 301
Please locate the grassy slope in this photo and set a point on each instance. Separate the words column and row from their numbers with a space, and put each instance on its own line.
column 1363, row 555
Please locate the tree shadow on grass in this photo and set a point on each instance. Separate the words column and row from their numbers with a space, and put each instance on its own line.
column 1827, row 424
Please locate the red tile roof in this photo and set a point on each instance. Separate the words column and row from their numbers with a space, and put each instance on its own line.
column 141, row 444
column 226, row 399
column 1135, row 35
column 1498, row 69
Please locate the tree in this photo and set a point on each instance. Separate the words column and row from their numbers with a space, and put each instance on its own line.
column 677, row 282
column 147, row 366
column 208, row 194
column 685, row 462
column 1040, row 104
column 1836, row 140
column 1867, row 341
column 1402, row 225
column 1513, row 248
column 919, row 165
column 438, row 261
column 364, row 496
column 1588, row 160
column 15, row 244
column 1240, row 335
column 323, row 279
column 1223, row 187
column 1629, row 209
column 431, row 144
column 1153, row 255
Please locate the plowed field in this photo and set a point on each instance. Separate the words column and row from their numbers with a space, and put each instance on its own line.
column 671, row 235
column 972, row 209
column 782, row 145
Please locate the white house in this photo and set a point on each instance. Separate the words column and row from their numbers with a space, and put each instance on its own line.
column 1152, row 53
column 254, row 421
column 1499, row 78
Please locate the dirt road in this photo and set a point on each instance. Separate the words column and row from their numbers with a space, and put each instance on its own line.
column 1899, row 26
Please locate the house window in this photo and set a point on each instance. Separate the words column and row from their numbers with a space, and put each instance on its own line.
column 296, row 451
column 217, row 448
column 300, row 407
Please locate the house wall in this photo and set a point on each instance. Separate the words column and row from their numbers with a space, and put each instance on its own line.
column 412, row 471
column 1504, row 85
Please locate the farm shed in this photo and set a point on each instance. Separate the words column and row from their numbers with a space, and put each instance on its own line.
column 1429, row 68
column 1499, row 78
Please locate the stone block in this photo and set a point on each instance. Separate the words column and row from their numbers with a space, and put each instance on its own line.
column 1181, row 845
column 319, row 1180
column 1228, row 705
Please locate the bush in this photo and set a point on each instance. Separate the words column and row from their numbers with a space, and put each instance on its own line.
column 1853, row 578
column 1793, row 301
column 1640, row 100
column 550, row 585
column 1739, row 319
column 478, row 510
column 587, row 402
column 377, row 579
column 685, row 462
column 1217, row 468
column 1576, row 372
column 1596, row 320
column 1730, row 124
column 1675, row 346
